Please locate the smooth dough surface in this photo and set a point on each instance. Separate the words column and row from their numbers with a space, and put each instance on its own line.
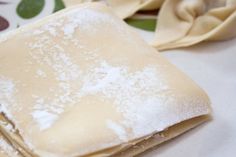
column 83, row 70
column 123, row 8
column 183, row 23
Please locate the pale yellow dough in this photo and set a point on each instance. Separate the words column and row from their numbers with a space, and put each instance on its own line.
column 126, row 150
column 81, row 81
column 6, row 148
column 183, row 23
column 123, row 8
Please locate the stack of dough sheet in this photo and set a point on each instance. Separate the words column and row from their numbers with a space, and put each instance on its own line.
column 81, row 83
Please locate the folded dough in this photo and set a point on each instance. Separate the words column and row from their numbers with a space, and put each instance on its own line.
column 123, row 8
column 13, row 144
column 183, row 23
column 133, row 148
column 80, row 82
column 6, row 148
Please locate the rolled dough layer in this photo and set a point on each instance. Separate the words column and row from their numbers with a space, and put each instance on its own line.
column 132, row 149
column 6, row 148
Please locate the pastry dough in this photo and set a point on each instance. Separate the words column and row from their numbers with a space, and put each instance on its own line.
column 123, row 8
column 161, row 137
column 6, row 148
column 127, row 150
column 13, row 143
column 183, row 23
column 81, row 82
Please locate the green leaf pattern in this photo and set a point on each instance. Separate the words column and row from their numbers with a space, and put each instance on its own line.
column 30, row 8
column 58, row 5
column 25, row 10
column 145, row 24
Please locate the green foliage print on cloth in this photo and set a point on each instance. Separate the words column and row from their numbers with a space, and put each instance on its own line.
column 58, row 5
column 145, row 24
column 30, row 8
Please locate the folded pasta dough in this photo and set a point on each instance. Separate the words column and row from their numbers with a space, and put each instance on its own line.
column 133, row 148
column 81, row 81
column 122, row 8
column 183, row 23
column 139, row 146
column 161, row 137
column 6, row 148
column 13, row 145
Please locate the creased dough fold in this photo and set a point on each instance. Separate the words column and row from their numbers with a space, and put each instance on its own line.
column 183, row 23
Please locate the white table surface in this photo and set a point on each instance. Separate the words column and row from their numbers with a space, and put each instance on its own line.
column 212, row 66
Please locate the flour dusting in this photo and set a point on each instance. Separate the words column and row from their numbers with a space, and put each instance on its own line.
column 118, row 129
column 6, row 88
column 7, row 149
column 7, row 95
column 44, row 118
column 135, row 94
column 41, row 73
